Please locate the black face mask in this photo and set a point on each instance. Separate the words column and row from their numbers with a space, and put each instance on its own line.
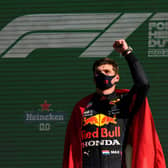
column 103, row 82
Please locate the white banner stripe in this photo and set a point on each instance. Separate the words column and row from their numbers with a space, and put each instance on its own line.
column 160, row 17
column 121, row 29
column 49, row 40
column 51, row 22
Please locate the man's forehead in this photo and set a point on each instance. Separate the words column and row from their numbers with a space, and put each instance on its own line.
column 105, row 66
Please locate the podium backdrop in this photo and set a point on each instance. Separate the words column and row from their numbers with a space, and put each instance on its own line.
column 47, row 49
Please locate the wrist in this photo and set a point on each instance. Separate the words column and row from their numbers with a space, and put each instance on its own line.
column 127, row 51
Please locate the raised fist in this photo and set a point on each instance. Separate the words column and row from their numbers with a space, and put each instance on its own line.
column 120, row 46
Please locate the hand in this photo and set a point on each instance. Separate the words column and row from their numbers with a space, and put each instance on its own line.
column 120, row 46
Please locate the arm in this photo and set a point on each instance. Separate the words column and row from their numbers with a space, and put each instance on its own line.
column 141, row 84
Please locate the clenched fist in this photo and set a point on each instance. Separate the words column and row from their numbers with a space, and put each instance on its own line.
column 121, row 46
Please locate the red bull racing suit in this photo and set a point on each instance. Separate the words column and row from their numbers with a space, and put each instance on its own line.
column 106, row 118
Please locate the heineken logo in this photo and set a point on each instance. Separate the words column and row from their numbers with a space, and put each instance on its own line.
column 45, row 116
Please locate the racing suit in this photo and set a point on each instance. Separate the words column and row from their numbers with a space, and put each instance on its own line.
column 101, row 126
column 106, row 118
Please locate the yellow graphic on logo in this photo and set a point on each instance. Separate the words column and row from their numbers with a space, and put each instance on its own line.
column 100, row 120
column 114, row 101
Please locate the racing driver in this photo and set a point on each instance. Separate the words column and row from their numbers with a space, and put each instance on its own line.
column 98, row 133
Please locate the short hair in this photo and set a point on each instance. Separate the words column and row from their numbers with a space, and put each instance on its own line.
column 104, row 61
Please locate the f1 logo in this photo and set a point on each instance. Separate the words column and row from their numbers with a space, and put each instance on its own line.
column 93, row 32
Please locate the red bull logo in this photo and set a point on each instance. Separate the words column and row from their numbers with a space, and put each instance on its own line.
column 99, row 120
column 103, row 133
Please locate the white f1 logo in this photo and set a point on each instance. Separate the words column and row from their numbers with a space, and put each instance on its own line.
column 94, row 32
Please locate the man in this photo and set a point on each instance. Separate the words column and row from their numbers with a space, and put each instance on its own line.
column 104, row 123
